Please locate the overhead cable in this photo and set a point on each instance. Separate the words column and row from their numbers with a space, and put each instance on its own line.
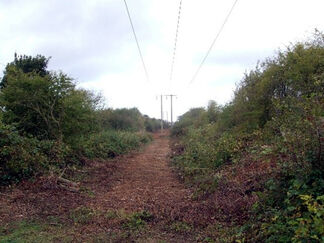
column 135, row 36
column 214, row 41
column 175, row 40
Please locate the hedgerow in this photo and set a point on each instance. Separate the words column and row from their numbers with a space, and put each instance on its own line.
column 109, row 144
column 275, row 121
column 47, row 123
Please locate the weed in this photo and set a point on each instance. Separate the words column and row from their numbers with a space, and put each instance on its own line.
column 109, row 215
column 29, row 231
column 137, row 221
column 180, row 227
column 87, row 191
column 82, row 215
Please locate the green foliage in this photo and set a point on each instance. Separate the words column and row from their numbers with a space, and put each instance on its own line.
column 109, row 144
column 137, row 220
column 46, row 122
column 153, row 125
column 27, row 64
column 79, row 117
column 180, row 227
column 46, row 107
column 109, row 215
column 187, row 120
column 22, row 157
column 276, row 115
column 291, row 209
column 299, row 222
column 127, row 120
column 121, row 119
column 205, row 152
column 82, row 215
column 33, row 231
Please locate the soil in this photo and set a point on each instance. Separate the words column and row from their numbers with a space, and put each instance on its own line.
column 141, row 181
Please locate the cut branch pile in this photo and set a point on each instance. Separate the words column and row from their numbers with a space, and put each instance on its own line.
column 68, row 185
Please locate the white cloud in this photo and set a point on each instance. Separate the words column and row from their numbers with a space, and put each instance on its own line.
column 92, row 41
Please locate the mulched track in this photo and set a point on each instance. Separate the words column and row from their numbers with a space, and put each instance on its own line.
column 142, row 180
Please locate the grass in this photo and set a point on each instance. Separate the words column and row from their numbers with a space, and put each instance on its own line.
column 180, row 227
column 137, row 221
column 82, row 215
column 127, row 226
column 32, row 231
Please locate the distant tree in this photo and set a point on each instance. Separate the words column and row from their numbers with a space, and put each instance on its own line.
column 213, row 111
column 153, row 124
column 79, row 113
column 122, row 119
column 193, row 117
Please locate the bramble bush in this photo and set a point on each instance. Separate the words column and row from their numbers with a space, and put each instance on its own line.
column 22, row 157
column 276, row 116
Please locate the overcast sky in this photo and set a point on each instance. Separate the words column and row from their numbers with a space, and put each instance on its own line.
column 92, row 41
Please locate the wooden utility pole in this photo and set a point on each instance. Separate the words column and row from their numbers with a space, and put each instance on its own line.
column 161, row 113
column 171, row 98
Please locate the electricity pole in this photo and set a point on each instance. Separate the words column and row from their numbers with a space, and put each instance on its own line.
column 171, row 98
column 161, row 113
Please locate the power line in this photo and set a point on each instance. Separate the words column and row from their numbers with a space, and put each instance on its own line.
column 138, row 46
column 175, row 40
column 214, row 41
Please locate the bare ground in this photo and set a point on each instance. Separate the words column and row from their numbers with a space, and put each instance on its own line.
column 142, row 181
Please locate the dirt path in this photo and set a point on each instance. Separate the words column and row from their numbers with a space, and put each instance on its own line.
column 113, row 192
column 145, row 182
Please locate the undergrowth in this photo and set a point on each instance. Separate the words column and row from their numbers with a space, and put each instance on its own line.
column 47, row 122
column 22, row 157
column 33, row 231
column 261, row 155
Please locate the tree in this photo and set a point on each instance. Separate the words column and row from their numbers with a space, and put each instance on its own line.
column 122, row 119
column 213, row 111
column 47, row 107
column 34, row 103
column 27, row 64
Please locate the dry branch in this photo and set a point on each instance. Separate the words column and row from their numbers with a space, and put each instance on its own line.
column 68, row 185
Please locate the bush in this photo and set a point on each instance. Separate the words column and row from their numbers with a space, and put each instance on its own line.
column 45, row 121
column 109, row 144
column 152, row 124
column 276, row 119
column 121, row 119
column 20, row 157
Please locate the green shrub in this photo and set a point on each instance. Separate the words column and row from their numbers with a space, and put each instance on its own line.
column 20, row 157
column 45, row 122
column 82, row 215
column 153, row 125
column 137, row 220
column 109, row 144
column 276, row 116
column 121, row 119
column 291, row 209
